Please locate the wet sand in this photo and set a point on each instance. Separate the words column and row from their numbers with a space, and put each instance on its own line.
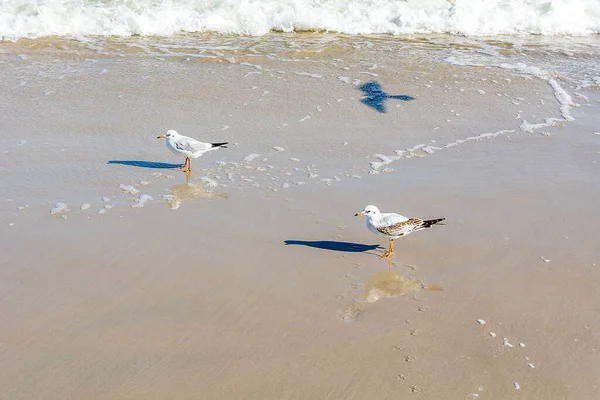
column 246, row 292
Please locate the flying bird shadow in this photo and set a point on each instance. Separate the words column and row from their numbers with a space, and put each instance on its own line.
column 144, row 164
column 375, row 97
column 333, row 245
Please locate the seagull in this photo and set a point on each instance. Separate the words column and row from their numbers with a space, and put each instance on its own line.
column 393, row 226
column 187, row 147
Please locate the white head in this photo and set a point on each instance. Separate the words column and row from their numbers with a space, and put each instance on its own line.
column 171, row 134
column 369, row 211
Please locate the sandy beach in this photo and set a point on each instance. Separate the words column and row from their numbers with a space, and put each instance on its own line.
column 255, row 281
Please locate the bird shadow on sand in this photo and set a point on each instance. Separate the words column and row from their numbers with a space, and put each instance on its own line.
column 332, row 245
column 375, row 97
column 144, row 164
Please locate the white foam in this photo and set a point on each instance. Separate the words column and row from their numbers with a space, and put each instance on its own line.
column 209, row 182
column 161, row 175
column 22, row 18
column 548, row 122
column 142, row 200
column 345, row 79
column 251, row 157
column 172, row 200
column 385, row 160
column 309, row 74
column 564, row 99
column 422, row 150
column 128, row 189
column 58, row 208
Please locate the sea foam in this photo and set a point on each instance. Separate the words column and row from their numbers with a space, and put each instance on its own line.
column 24, row 18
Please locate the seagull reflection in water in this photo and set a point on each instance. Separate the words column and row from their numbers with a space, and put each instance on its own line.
column 189, row 191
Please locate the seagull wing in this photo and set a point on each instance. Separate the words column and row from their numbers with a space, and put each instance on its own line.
column 191, row 145
column 398, row 227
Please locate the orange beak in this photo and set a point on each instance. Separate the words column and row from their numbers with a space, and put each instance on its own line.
column 160, row 137
column 358, row 214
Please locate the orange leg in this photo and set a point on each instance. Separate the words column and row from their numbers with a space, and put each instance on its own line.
column 182, row 167
column 185, row 166
column 388, row 253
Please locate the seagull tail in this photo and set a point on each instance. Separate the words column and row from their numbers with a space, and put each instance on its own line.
column 429, row 222
column 220, row 144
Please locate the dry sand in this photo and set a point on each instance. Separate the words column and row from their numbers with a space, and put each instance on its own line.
column 255, row 290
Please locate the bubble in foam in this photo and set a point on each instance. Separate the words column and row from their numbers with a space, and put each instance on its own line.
column 251, row 157
column 128, row 189
column 209, row 182
column 142, row 200
column 58, row 208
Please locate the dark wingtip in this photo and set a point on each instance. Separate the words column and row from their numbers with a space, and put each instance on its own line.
column 223, row 144
column 430, row 222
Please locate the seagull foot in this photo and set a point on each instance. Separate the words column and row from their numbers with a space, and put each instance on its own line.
column 386, row 255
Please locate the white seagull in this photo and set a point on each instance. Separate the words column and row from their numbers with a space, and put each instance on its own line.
column 187, row 147
column 393, row 226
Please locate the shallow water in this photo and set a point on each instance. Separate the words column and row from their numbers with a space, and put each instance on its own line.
column 80, row 114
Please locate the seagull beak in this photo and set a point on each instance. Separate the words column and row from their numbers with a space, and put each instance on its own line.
column 160, row 137
column 358, row 214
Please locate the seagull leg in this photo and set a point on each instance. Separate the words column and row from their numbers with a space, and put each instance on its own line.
column 185, row 166
column 388, row 252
